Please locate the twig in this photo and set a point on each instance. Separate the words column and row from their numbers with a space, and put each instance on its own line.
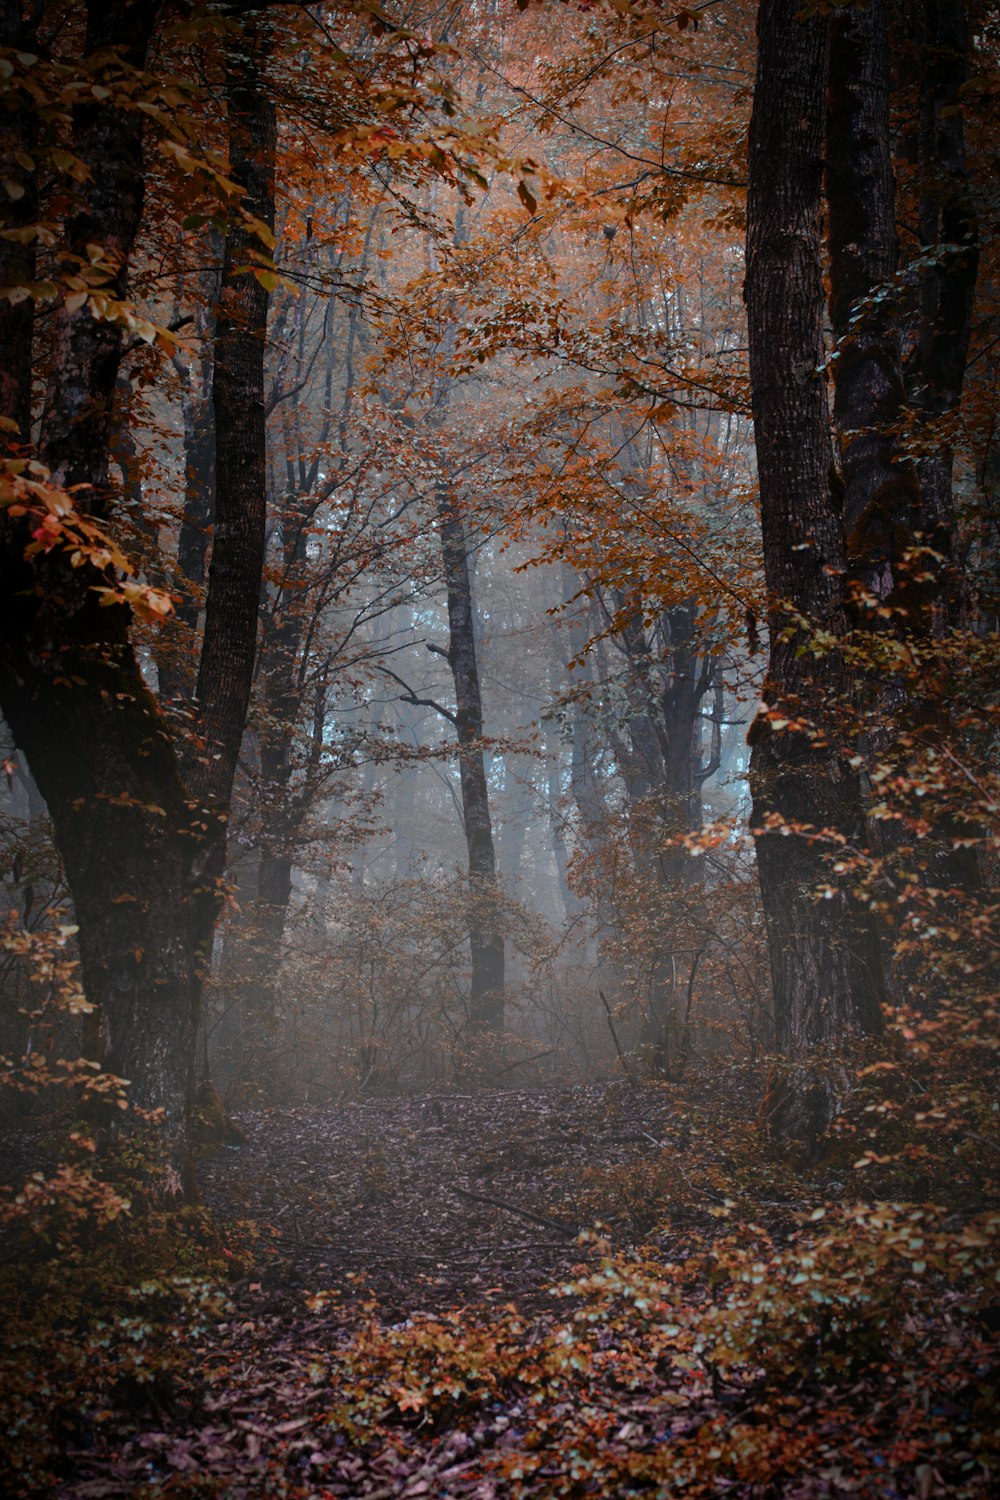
column 523, row 1061
column 618, row 1046
column 971, row 1136
column 409, row 696
column 523, row 1213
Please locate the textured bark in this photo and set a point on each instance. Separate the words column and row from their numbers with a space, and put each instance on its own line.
column 934, row 48
column 177, row 651
column 76, row 419
column 225, row 672
column 282, row 807
column 17, row 262
column 486, row 1001
column 880, row 495
column 824, row 955
column 886, row 509
column 126, row 455
column 573, row 907
column 70, row 686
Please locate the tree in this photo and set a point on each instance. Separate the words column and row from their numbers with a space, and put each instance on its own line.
column 861, row 546
column 139, row 814
column 486, row 942
column 825, row 957
column 142, row 847
column 70, row 685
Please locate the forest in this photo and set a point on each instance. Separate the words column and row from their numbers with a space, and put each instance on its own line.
column 499, row 609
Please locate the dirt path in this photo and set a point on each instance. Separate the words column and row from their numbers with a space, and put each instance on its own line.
column 443, row 1199
column 403, row 1335
column 428, row 1203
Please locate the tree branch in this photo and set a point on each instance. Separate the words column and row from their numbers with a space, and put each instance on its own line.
column 409, row 696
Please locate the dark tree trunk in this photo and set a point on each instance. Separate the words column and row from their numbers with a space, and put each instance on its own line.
column 934, row 47
column 70, row 686
column 690, row 679
column 177, row 650
column 126, row 455
column 880, row 495
column 225, row 672
column 229, row 644
column 663, row 775
column 288, row 628
column 17, row 261
column 886, row 510
column 486, row 1003
column 282, row 809
column 588, row 795
column 824, row 954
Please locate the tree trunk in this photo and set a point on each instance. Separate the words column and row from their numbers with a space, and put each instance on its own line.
column 588, row 795
column 571, row 904
column 880, row 495
column 934, row 49
column 258, row 1004
column 486, row 1002
column 281, row 809
column 824, row 955
column 514, row 831
column 70, row 686
column 17, row 261
column 177, row 649
column 225, row 672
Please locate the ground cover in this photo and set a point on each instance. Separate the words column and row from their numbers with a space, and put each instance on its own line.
column 600, row 1290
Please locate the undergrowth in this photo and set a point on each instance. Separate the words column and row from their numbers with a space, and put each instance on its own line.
column 103, row 1305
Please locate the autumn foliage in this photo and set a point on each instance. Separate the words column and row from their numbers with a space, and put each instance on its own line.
column 498, row 528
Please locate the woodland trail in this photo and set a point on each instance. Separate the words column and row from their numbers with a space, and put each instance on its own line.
column 438, row 1199
column 445, row 1205
column 419, row 1306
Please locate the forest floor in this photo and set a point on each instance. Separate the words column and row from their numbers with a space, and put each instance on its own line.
column 419, row 1204
column 415, row 1322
